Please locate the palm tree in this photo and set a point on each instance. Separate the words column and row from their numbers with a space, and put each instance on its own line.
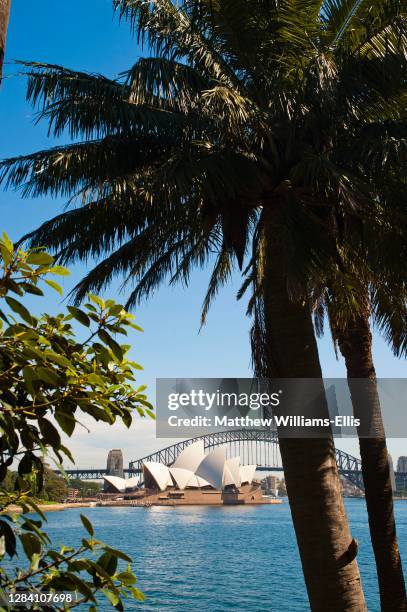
column 350, row 300
column 369, row 282
column 355, row 344
column 240, row 129
column 4, row 17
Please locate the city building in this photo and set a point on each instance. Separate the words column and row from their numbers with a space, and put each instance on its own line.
column 402, row 464
column 271, row 482
column 270, row 485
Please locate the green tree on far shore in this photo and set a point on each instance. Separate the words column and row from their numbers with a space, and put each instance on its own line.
column 9, row 481
column 86, row 488
column 54, row 487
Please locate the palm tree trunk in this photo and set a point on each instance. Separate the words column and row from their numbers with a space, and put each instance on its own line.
column 355, row 344
column 4, row 17
column 313, row 486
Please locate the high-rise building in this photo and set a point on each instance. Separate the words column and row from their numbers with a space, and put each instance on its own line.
column 270, row 485
column 115, row 463
column 392, row 476
column 402, row 465
column 271, row 482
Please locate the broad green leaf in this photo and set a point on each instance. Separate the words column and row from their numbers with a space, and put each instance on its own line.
column 29, row 376
column 112, row 597
column 7, row 242
column 81, row 586
column 90, row 307
column 66, row 422
column 97, row 300
column 31, row 544
column 25, row 465
column 112, row 344
column 59, row 271
column 87, row 524
column 54, row 285
column 94, row 379
column 9, row 541
column 79, row 315
column 6, row 254
column 59, row 359
column 116, row 309
column 20, row 309
column 78, row 565
column 108, row 562
column 137, row 327
column 119, row 554
column 4, row 317
column 66, row 452
column 137, row 594
column 33, row 353
column 50, row 376
column 30, row 502
column 50, row 432
column 40, row 258
column 127, row 578
column 31, row 288
column 137, row 366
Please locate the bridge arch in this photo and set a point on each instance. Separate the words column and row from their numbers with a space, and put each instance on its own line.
column 258, row 446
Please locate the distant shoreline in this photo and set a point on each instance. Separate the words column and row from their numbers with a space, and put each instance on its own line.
column 51, row 507
column 57, row 507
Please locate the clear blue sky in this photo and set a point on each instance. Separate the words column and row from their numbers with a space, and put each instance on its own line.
column 83, row 34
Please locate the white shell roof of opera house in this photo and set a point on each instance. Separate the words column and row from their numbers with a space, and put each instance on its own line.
column 193, row 468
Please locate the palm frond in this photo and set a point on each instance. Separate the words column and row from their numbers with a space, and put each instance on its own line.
column 66, row 169
column 168, row 31
column 47, row 82
column 338, row 16
column 91, row 106
column 166, row 83
column 153, row 248
column 88, row 232
column 389, row 310
column 380, row 29
column 243, row 103
column 221, row 273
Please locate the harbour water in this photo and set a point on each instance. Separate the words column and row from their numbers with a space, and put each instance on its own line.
column 215, row 559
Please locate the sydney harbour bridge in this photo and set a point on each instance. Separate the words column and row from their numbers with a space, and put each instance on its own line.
column 254, row 446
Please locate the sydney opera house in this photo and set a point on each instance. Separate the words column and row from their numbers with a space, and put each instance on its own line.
column 193, row 478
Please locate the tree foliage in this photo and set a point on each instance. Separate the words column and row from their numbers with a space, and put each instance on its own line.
column 237, row 105
column 54, row 487
column 49, row 378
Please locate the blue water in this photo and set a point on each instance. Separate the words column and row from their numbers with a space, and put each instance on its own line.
column 217, row 559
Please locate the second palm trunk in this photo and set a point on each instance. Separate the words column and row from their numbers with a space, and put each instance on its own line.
column 313, row 485
column 355, row 343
